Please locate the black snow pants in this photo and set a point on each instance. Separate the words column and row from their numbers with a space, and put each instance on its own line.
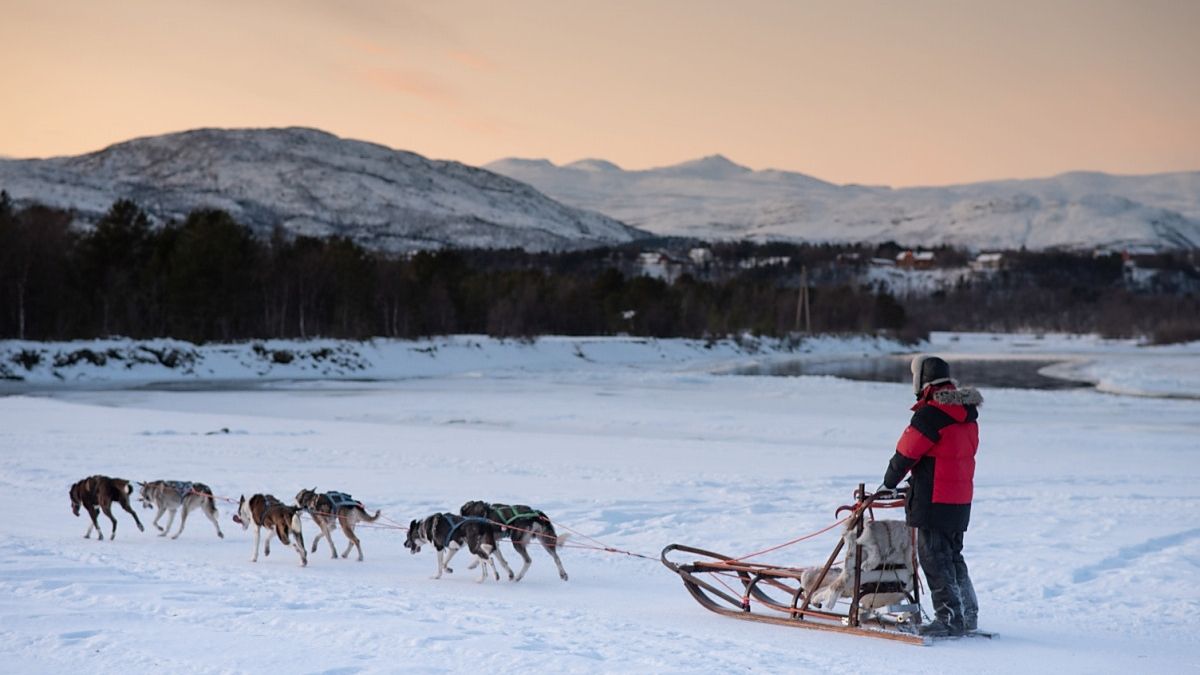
column 950, row 588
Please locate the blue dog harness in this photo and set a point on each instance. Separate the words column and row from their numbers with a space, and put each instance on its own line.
column 183, row 488
column 457, row 522
column 340, row 499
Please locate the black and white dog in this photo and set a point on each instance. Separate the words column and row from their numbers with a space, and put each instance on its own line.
column 520, row 524
column 170, row 496
column 448, row 533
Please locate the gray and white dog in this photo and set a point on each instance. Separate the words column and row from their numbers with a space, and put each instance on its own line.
column 169, row 496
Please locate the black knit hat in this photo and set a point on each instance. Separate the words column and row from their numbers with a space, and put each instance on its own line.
column 927, row 370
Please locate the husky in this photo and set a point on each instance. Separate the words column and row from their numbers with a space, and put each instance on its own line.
column 267, row 511
column 326, row 508
column 170, row 496
column 101, row 492
column 448, row 533
column 520, row 524
column 886, row 573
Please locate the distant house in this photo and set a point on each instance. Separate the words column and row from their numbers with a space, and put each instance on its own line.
column 987, row 261
column 660, row 265
column 1142, row 256
column 849, row 258
column 883, row 262
column 915, row 260
column 701, row 256
column 769, row 261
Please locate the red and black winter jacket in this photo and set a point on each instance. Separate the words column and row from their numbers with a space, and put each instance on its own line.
column 939, row 448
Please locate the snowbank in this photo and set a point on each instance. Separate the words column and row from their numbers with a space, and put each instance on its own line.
column 133, row 362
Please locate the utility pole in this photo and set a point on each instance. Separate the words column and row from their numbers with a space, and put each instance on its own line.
column 802, row 302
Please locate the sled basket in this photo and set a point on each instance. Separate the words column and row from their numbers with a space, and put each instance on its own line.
column 884, row 599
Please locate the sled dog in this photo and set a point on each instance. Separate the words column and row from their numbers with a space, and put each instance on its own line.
column 520, row 524
column 448, row 533
column 98, row 493
column 169, row 496
column 279, row 519
column 335, row 507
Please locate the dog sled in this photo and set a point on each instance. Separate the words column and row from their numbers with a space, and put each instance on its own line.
column 877, row 577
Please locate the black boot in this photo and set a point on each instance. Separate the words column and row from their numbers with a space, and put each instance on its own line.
column 935, row 628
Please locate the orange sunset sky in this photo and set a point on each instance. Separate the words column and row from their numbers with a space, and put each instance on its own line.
column 898, row 93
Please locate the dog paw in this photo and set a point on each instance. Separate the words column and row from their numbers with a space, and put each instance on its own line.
column 140, row 528
column 511, row 575
column 220, row 535
column 563, row 576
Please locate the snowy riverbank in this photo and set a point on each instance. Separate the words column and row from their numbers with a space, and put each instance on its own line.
column 1113, row 366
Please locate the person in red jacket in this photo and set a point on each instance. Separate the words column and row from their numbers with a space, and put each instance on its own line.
column 938, row 449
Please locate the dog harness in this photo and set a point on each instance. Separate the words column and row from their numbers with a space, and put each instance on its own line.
column 514, row 515
column 340, row 499
column 183, row 488
column 457, row 522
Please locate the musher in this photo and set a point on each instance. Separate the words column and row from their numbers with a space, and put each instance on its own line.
column 938, row 448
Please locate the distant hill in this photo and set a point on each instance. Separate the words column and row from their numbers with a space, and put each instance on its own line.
column 714, row 198
column 311, row 182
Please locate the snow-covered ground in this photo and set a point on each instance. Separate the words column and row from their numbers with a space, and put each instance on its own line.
column 1081, row 547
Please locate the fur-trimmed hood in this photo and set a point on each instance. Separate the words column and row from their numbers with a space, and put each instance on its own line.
column 964, row 396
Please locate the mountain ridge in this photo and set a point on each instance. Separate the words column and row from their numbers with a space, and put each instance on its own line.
column 311, row 182
column 1077, row 209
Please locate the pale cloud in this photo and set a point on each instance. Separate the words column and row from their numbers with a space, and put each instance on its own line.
column 472, row 60
column 412, row 83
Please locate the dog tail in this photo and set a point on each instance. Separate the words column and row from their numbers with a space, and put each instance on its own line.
column 371, row 518
column 298, row 533
column 281, row 531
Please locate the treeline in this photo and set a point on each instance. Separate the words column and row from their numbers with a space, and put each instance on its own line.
column 209, row 278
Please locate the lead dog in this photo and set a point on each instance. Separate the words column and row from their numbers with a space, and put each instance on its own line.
column 102, row 491
column 326, row 508
column 448, row 533
column 267, row 511
column 168, row 496
column 520, row 524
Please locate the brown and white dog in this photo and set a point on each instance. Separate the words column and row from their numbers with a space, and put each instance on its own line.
column 327, row 508
column 102, row 491
column 170, row 496
column 281, row 520
column 521, row 524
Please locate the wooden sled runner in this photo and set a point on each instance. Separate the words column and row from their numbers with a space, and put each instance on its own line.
column 878, row 577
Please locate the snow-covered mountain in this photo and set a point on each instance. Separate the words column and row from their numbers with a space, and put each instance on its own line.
column 714, row 198
column 311, row 182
